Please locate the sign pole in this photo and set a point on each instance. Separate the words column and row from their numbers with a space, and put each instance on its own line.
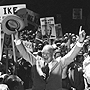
column 1, row 42
column 7, row 61
column 14, row 54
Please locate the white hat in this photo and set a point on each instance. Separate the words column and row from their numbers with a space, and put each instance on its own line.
column 11, row 23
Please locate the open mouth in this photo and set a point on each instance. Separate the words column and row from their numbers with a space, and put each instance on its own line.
column 46, row 60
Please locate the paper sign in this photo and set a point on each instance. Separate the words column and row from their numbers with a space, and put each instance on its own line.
column 9, row 10
column 32, row 18
column 58, row 29
column 48, row 27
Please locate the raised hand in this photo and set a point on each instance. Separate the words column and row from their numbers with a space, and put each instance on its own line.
column 82, row 35
column 16, row 35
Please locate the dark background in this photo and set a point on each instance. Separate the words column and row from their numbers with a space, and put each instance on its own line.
column 63, row 7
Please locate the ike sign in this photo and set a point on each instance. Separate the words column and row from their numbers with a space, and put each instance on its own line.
column 9, row 9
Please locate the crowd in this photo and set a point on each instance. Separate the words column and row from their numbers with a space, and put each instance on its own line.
column 63, row 65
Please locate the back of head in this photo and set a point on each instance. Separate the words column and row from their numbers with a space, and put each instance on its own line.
column 14, row 83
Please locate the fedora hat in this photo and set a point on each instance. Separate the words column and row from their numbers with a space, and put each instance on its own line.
column 11, row 24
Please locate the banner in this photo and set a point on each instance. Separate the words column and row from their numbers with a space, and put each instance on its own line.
column 9, row 10
column 48, row 27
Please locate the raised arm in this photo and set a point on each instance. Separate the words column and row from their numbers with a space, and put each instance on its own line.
column 27, row 56
column 69, row 57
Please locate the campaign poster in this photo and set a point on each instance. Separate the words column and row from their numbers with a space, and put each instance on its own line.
column 9, row 10
column 58, row 29
column 4, row 11
column 48, row 27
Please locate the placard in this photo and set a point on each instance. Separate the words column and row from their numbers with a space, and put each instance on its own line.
column 9, row 10
column 48, row 27
column 4, row 11
column 58, row 29
column 32, row 18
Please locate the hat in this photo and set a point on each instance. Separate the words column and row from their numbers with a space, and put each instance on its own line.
column 11, row 23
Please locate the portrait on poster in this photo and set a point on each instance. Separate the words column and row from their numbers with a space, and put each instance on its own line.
column 48, row 27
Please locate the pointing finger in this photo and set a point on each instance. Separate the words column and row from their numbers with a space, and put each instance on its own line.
column 80, row 29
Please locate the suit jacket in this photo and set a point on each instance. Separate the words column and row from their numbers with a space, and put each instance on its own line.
column 54, row 82
column 76, row 76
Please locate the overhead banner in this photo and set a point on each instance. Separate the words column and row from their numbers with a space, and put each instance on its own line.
column 48, row 27
column 9, row 10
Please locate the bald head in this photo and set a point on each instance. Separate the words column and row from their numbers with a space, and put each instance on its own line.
column 47, row 53
column 48, row 48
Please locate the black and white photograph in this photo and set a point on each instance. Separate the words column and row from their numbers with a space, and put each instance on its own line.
column 44, row 45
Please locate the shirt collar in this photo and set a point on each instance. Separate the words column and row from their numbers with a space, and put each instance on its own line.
column 51, row 64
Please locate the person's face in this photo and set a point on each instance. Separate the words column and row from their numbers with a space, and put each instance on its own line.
column 48, row 30
column 47, row 55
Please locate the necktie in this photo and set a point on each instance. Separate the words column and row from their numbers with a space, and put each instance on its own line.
column 46, row 71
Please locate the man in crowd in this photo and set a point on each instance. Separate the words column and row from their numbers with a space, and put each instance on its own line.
column 47, row 71
column 14, row 83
